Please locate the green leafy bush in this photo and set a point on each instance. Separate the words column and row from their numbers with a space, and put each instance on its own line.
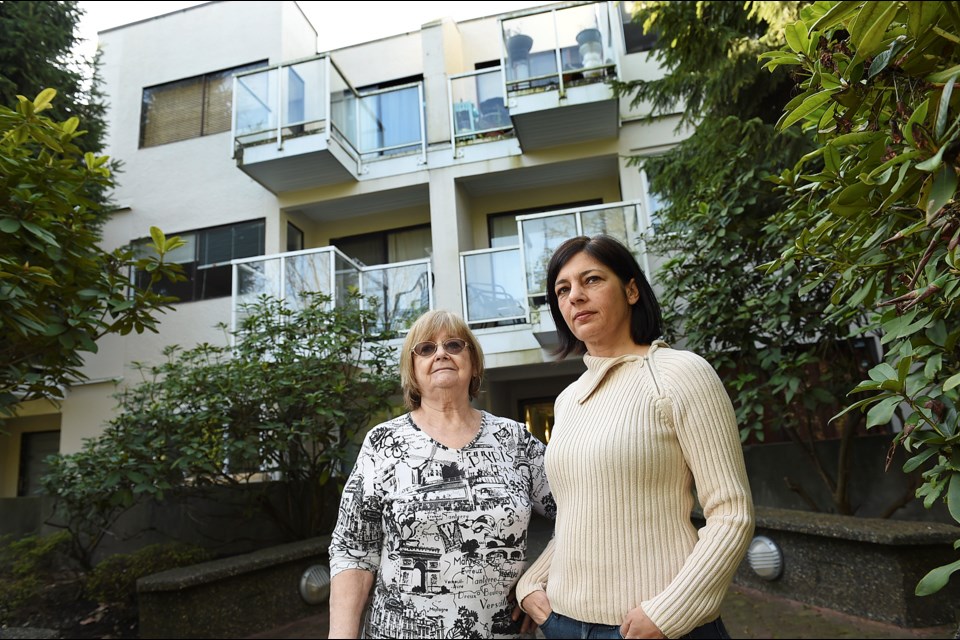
column 879, row 217
column 289, row 402
column 114, row 580
column 25, row 564
column 59, row 291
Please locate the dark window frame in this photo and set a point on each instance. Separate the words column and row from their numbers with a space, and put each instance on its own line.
column 634, row 39
column 207, row 81
column 383, row 236
column 206, row 279
column 541, row 209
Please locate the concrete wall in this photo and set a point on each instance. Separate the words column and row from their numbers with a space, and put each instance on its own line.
column 230, row 598
column 872, row 490
column 861, row 566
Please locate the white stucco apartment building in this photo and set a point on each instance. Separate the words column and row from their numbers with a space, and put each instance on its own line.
column 433, row 169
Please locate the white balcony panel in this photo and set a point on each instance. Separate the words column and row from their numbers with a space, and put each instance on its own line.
column 304, row 162
column 543, row 120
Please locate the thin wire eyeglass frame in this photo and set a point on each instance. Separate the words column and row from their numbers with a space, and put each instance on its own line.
column 451, row 346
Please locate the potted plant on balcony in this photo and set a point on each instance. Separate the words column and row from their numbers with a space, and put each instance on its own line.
column 591, row 49
column 518, row 54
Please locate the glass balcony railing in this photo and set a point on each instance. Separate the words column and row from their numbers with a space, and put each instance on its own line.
column 542, row 233
column 557, row 48
column 399, row 292
column 378, row 123
column 280, row 102
column 305, row 97
column 478, row 109
column 493, row 285
column 505, row 283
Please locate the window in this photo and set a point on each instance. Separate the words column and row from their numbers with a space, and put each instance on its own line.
column 34, row 449
column 294, row 238
column 205, row 259
column 634, row 38
column 189, row 108
column 385, row 247
column 389, row 117
column 502, row 227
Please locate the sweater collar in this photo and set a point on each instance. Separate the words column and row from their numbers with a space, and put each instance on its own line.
column 598, row 368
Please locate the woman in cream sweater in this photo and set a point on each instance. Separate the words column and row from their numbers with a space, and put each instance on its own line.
column 633, row 437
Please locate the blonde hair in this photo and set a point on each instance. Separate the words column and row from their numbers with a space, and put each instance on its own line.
column 428, row 327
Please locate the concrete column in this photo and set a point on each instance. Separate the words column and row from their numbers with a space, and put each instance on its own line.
column 442, row 55
column 450, row 230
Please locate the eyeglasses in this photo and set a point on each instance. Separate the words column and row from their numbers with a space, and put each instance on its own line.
column 452, row 346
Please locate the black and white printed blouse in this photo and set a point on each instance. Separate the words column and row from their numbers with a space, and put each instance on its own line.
column 444, row 529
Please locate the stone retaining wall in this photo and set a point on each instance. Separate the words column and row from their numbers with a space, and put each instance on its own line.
column 865, row 567
column 232, row 597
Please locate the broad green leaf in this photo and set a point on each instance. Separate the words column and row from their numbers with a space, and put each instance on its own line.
column 883, row 58
column 883, row 371
column 796, row 35
column 914, row 463
column 946, row 35
column 837, row 14
column 921, row 14
column 953, row 496
column 933, row 366
column 9, row 225
column 778, row 58
column 943, row 76
column 936, row 579
column 903, row 157
column 158, row 237
column 944, row 187
column 858, row 137
column 903, row 368
column 70, row 125
column 870, row 26
column 882, row 412
column 937, row 334
column 43, row 99
column 952, row 382
column 808, row 106
column 918, row 117
column 941, row 123
column 932, row 163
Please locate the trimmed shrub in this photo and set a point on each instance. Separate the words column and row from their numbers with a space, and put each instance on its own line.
column 114, row 579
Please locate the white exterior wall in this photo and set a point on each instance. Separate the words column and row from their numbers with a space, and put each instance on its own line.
column 194, row 184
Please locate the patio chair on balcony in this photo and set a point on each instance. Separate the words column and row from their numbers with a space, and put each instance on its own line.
column 487, row 301
column 494, row 114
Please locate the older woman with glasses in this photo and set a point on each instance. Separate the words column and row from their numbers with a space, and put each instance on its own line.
column 434, row 515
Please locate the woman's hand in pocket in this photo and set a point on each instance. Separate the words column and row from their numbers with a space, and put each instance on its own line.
column 537, row 606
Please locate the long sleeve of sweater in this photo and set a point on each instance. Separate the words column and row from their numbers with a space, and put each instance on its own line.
column 706, row 428
column 631, row 438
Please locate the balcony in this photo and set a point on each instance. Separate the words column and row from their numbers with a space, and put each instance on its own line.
column 508, row 285
column 478, row 111
column 502, row 286
column 557, row 64
column 400, row 291
column 302, row 125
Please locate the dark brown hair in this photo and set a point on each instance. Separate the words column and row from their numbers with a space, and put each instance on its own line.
column 646, row 322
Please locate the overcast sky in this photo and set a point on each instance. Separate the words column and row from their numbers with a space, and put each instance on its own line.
column 338, row 23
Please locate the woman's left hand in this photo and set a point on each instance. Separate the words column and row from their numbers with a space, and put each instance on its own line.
column 636, row 624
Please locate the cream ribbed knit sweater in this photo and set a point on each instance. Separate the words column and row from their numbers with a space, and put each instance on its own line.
column 632, row 436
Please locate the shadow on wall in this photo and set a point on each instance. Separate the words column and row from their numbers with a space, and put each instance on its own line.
column 872, row 490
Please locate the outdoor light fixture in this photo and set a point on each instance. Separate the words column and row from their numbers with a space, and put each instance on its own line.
column 765, row 558
column 315, row 584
